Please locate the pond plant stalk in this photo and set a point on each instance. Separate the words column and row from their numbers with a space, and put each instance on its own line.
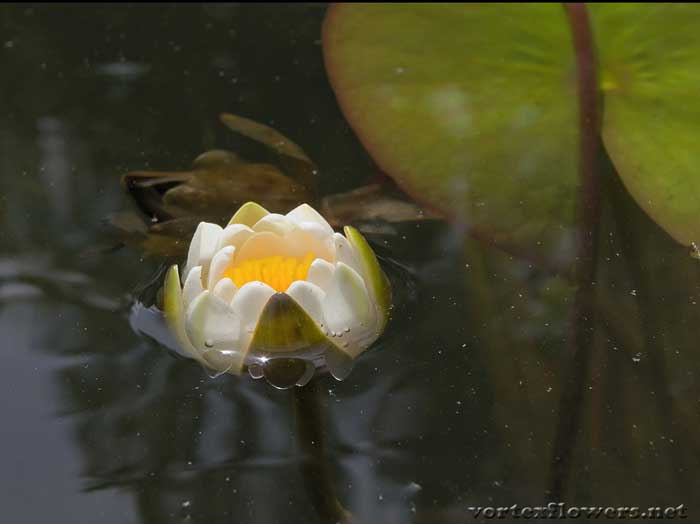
column 316, row 469
column 588, row 217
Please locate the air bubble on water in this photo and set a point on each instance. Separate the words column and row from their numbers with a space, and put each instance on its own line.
column 255, row 371
column 339, row 363
column 637, row 357
column 216, row 373
column 186, row 504
column 633, row 292
column 307, row 376
column 549, row 389
column 347, row 330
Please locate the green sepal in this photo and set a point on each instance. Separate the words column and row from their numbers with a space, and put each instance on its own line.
column 378, row 281
column 284, row 327
column 248, row 214
column 172, row 307
column 285, row 330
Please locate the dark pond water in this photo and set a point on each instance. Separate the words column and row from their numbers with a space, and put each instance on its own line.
column 473, row 397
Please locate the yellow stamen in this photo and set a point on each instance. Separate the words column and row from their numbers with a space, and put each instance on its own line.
column 277, row 272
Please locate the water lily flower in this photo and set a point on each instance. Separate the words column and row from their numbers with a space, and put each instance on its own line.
column 278, row 295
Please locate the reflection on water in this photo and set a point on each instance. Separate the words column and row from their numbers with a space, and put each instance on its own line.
column 458, row 407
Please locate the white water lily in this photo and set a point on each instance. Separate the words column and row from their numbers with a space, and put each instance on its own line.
column 277, row 288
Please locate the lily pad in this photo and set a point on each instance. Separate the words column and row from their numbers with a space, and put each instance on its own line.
column 650, row 75
column 472, row 109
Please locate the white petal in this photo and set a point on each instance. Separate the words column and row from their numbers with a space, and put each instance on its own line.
column 306, row 213
column 346, row 307
column 317, row 230
column 193, row 286
column 320, row 273
column 344, row 252
column 203, row 246
column 248, row 304
column 212, row 325
column 261, row 245
column 220, row 263
column 225, row 289
column 274, row 223
column 234, row 235
column 309, row 297
column 305, row 239
column 296, row 243
column 214, row 331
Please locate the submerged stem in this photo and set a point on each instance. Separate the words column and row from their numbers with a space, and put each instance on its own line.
column 588, row 209
column 316, row 469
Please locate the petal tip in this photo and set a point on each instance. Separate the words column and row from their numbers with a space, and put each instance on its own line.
column 248, row 214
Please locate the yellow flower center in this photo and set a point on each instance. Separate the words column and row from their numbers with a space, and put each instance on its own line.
column 278, row 272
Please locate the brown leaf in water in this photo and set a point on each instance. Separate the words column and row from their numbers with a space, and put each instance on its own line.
column 218, row 183
column 370, row 203
column 290, row 156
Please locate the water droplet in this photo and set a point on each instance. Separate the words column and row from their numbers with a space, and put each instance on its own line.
column 209, row 343
column 347, row 330
column 186, row 504
column 637, row 357
column 633, row 292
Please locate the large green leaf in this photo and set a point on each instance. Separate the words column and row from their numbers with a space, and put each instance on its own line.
column 471, row 108
column 650, row 75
